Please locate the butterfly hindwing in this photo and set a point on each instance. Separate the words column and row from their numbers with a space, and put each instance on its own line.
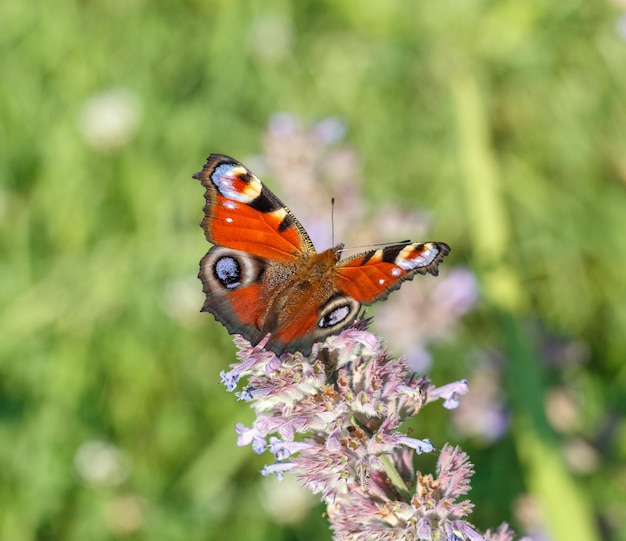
column 315, row 322
column 232, row 285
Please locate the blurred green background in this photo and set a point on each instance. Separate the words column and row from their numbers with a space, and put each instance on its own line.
column 505, row 120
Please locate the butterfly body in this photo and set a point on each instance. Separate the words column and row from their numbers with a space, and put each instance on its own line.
column 263, row 275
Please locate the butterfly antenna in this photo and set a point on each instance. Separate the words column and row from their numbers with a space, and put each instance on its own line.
column 368, row 247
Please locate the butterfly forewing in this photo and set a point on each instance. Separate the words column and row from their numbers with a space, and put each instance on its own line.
column 243, row 214
column 371, row 276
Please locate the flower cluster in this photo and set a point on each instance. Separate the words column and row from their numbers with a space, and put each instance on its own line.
column 332, row 419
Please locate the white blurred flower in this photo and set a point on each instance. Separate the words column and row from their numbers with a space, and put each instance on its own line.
column 181, row 300
column 563, row 409
column 286, row 501
column 620, row 26
column 581, row 456
column 124, row 515
column 110, row 119
column 270, row 37
column 101, row 464
column 531, row 515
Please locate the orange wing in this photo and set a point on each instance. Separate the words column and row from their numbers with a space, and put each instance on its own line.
column 370, row 277
column 243, row 214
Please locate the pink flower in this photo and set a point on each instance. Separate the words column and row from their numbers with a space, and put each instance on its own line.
column 332, row 419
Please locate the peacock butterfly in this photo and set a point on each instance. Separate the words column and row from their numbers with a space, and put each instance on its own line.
column 263, row 274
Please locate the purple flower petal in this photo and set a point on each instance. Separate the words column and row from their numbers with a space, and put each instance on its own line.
column 249, row 436
column 278, row 469
column 420, row 446
column 284, row 449
column 450, row 393
column 229, row 380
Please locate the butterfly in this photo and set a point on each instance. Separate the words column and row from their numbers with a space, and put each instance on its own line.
column 263, row 275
